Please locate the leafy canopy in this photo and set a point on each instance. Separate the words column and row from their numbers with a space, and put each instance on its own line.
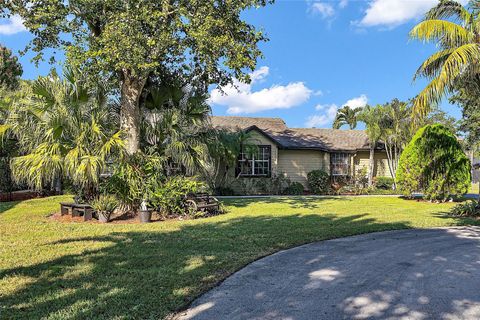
column 207, row 38
column 468, row 98
column 10, row 69
column 435, row 164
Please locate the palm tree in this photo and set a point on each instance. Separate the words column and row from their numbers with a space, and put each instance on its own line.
column 456, row 31
column 65, row 129
column 372, row 119
column 389, row 123
column 396, row 131
column 175, row 128
column 346, row 116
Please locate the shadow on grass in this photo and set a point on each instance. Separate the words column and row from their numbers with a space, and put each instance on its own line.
column 152, row 273
column 5, row 206
column 459, row 220
column 295, row 202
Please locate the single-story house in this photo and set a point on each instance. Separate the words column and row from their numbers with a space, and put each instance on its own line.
column 295, row 152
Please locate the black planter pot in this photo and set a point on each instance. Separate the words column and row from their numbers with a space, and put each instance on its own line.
column 145, row 216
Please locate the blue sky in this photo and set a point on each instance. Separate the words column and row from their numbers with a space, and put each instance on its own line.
column 321, row 55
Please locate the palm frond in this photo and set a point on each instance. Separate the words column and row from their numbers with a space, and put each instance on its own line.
column 447, row 9
column 448, row 33
column 431, row 67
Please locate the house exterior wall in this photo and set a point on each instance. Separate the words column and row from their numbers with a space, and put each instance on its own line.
column 259, row 139
column 296, row 164
column 362, row 159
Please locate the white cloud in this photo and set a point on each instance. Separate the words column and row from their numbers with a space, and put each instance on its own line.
column 239, row 97
column 358, row 102
column 326, row 10
column 12, row 25
column 343, row 3
column 323, row 119
column 391, row 13
column 259, row 74
column 329, row 111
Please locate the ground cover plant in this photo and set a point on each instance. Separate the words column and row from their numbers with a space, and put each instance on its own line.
column 57, row 270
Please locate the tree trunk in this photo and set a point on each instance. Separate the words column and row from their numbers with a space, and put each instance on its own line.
column 371, row 164
column 390, row 162
column 130, row 110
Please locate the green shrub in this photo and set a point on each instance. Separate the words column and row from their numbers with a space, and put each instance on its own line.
column 133, row 178
column 105, row 202
column 224, row 191
column 276, row 184
column 467, row 208
column 169, row 197
column 295, row 188
column 6, row 182
column 247, row 186
column 435, row 164
column 361, row 178
column 318, row 181
column 384, row 183
column 353, row 189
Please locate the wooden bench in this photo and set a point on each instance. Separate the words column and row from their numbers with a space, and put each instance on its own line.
column 77, row 210
column 202, row 202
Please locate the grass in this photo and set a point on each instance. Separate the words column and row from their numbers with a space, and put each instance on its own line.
column 54, row 270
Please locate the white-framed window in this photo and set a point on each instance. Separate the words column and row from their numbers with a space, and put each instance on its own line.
column 340, row 164
column 256, row 164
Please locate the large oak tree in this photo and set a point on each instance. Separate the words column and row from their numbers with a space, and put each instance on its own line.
column 132, row 39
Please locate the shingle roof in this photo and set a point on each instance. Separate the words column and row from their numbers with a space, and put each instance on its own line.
column 327, row 139
column 299, row 138
column 243, row 123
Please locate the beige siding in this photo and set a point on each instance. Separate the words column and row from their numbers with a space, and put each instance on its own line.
column 362, row 159
column 296, row 164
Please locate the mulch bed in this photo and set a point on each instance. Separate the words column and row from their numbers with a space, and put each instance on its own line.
column 127, row 218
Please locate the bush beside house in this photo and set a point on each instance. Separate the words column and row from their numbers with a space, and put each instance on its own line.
column 435, row 164
column 383, row 183
column 318, row 182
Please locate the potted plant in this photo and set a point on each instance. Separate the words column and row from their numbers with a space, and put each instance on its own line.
column 104, row 205
column 145, row 214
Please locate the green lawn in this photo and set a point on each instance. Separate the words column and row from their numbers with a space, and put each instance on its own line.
column 54, row 270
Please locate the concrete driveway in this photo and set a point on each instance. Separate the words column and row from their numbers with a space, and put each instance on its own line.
column 409, row 274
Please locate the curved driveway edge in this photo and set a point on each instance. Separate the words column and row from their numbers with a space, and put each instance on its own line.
column 406, row 274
